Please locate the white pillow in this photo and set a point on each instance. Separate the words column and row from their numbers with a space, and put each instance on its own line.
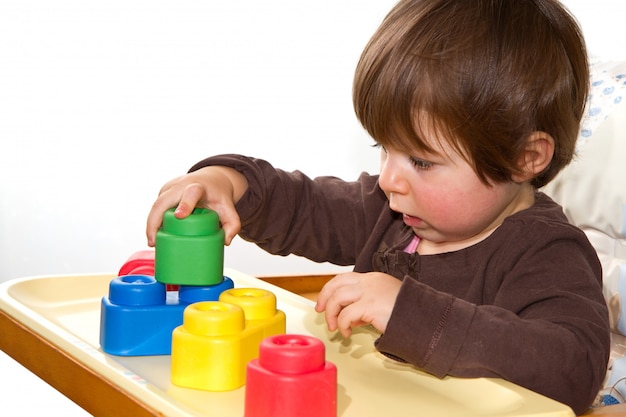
column 608, row 87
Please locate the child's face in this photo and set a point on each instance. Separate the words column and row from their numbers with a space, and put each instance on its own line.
column 443, row 200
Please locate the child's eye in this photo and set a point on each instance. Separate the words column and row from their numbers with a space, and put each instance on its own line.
column 420, row 163
column 379, row 146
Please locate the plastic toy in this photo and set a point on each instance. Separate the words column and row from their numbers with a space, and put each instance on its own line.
column 291, row 378
column 147, row 300
column 139, row 315
column 212, row 348
column 139, row 263
column 142, row 263
column 190, row 251
column 259, row 308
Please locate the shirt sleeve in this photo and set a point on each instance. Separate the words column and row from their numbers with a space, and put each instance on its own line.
column 322, row 219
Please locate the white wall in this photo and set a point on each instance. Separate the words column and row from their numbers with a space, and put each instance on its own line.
column 102, row 102
column 604, row 25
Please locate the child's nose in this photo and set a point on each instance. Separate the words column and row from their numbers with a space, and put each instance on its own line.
column 391, row 179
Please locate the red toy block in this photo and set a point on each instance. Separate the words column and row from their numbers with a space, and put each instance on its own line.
column 139, row 263
column 142, row 263
column 291, row 378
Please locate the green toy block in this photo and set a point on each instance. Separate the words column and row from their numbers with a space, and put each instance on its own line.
column 190, row 251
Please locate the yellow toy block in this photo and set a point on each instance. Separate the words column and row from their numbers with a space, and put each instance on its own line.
column 217, row 339
column 259, row 307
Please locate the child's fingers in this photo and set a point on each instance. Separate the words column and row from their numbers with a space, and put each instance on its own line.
column 190, row 198
column 152, row 225
column 344, row 294
column 230, row 221
column 349, row 317
column 323, row 296
column 171, row 196
column 328, row 290
column 155, row 217
column 331, row 310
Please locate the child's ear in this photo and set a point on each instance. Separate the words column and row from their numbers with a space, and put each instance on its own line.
column 535, row 157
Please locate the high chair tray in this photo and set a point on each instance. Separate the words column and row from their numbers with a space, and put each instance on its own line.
column 62, row 314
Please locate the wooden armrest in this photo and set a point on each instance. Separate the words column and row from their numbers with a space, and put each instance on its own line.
column 305, row 285
column 608, row 411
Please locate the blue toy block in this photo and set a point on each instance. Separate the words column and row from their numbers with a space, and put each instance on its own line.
column 138, row 316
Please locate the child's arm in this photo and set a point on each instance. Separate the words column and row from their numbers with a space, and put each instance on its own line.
column 534, row 316
column 215, row 187
column 322, row 218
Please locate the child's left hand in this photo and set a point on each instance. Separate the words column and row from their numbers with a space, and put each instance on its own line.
column 354, row 299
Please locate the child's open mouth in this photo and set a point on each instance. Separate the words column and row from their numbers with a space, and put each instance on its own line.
column 411, row 221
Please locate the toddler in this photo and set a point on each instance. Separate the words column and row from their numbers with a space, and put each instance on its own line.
column 460, row 262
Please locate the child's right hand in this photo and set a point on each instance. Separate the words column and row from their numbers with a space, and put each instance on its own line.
column 215, row 187
column 353, row 299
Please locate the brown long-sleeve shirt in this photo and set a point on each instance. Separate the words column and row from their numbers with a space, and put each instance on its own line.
column 525, row 304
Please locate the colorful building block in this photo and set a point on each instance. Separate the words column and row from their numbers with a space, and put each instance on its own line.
column 259, row 308
column 139, row 263
column 291, row 378
column 142, row 263
column 190, row 251
column 138, row 315
column 212, row 348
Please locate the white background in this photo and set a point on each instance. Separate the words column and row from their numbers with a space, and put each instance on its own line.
column 102, row 102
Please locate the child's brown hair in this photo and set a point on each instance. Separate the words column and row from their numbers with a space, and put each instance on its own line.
column 484, row 73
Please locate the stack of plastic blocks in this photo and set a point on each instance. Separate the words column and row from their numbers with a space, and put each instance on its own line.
column 139, row 314
column 175, row 300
